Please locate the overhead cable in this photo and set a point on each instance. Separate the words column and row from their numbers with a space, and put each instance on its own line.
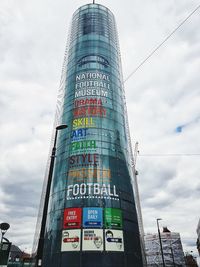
column 169, row 155
column 151, row 54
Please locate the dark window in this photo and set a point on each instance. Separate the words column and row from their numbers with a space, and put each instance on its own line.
column 92, row 23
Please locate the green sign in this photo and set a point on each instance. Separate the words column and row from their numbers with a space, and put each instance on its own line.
column 4, row 253
column 113, row 218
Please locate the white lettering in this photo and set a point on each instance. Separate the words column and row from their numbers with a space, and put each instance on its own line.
column 104, row 190
column 69, row 189
column 83, row 189
column 109, row 191
column 76, row 190
column 89, row 188
column 92, row 189
column 92, row 75
column 96, row 189
column 114, row 190
column 93, row 92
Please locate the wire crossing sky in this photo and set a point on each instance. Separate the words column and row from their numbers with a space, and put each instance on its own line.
column 168, row 155
column 161, row 44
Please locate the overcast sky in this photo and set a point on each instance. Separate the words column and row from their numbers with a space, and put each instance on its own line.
column 163, row 100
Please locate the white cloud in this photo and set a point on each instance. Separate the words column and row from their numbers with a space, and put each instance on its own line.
column 161, row 96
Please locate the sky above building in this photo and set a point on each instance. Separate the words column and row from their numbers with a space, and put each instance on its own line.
column 163, row 101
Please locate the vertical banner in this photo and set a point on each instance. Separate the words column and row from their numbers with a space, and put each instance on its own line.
column 92, row 239
column 92, row 217
column 72, row 218
column 71, row 240
column 114, row 240
column 113, row 218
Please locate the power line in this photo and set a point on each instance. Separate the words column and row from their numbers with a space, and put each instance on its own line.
column 169, row 155
column 151, row 54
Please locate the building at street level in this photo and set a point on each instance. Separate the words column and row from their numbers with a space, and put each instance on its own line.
column 92, row 218
column 172, row 249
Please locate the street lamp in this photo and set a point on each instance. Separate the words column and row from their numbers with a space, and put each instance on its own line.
column 40, row 247
column 161, row 248
column 4, row 227
column 172, row 255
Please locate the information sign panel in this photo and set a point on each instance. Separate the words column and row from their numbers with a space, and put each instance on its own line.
column 71, row 240
column 114, row 240
column 92, row 217
column 92, row 239
column 72, row 218
column 4, row 253
column 113, row 218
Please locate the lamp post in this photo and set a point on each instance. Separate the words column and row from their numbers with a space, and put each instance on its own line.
column 4, row 246
column 40, row 247
column 161, row 248
column 172, row 256
column 4, row 227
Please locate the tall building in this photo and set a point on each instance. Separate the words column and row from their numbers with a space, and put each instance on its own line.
column 92, row 218
column 172, row 249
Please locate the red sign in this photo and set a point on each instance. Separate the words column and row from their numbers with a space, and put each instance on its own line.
column 72, row 218
column 88, row 101
column 90, row 111
column 71, row 240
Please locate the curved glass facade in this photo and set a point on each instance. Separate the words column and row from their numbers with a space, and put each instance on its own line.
column 92, row 219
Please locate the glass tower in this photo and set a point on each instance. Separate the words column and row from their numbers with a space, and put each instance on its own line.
column 92, row 218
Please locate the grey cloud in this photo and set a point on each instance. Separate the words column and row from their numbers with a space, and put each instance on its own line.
column 23, row 195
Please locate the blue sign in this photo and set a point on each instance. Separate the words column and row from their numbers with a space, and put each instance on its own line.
column 92, row 217
column 79, row 134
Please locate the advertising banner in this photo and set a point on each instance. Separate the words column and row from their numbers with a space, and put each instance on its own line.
column 92, row 239
column 113, row 218
column 72, row 218
column 92, row 217
column 114, row 240
column 71, row 240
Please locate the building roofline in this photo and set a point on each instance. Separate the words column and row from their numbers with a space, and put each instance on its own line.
column 92, row 4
